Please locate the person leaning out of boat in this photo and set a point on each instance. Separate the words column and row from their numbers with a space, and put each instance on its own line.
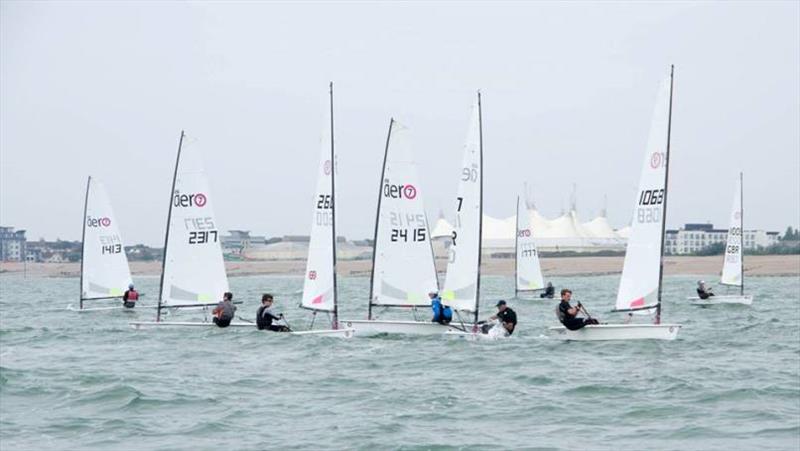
column 224, row 311
column 506, row 316
column 568, row 315
column 703, row 291
column 442, row 314
column 549, row 291
column 265, row 316
column 130, row 297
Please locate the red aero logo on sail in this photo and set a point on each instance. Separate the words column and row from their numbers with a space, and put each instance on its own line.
column 399, row 191
column 189, row 200
column 656, row 160
column 98, row 222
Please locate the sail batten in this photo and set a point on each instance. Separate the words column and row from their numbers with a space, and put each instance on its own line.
column 105, row 272
column 403, row 270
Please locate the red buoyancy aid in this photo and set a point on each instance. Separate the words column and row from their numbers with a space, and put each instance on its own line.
column 133, row 295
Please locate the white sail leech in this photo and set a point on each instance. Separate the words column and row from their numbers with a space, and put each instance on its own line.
column 403, row 271
column 105, row 270
column 639, row 284
column 461, row 282
column 194, row 270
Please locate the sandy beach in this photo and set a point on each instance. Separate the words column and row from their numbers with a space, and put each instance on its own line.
column 757, row 265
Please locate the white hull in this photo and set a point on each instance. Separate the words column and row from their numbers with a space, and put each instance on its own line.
column 746, row 299
column 495, row 333
column 341, row 333
column 603, row 332
column 375, row 327
column 70, row 307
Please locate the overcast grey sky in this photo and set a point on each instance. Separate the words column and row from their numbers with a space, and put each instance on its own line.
column 568, row 91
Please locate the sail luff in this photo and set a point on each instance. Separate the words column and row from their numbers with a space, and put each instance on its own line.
column 516, row 253
column 83, row 237
column 166, row 234
column 480, row 210
column 666, row 192
column 741, row 227
column 378, row 220
column 335, row 319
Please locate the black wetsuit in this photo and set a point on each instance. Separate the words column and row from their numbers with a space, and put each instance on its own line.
column 549, row 292
column 703, row 294
column 264, row 319
column 569, row 321
column 508, row 316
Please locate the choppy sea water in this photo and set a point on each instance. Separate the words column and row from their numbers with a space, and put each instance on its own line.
column 87, row 381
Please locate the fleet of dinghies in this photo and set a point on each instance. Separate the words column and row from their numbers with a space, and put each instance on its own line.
column 193, row 274
column 733, row 258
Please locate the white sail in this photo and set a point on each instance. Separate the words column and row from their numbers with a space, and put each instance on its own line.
column 461, row 283
column 318, row 289
column 194, row 271
column 529, row 271
column 403, row 270
column 732, row 266
column 640, row 274
column 104, row 268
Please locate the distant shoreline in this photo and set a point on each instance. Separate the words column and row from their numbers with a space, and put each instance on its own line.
column 756, row 265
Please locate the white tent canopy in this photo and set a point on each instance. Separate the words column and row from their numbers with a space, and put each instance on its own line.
column 565, row 231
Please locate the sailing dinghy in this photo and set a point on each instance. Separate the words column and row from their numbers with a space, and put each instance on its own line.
column 320, row 285
column 403, row 271
column 105, row 274
column 463, row 280
column 733, row 262
column 527, row 269
column 641, row 282
column 193, row 271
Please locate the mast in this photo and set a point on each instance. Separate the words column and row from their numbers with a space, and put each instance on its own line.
column 377, row 220
column 335, row 320
column 166, row 235
column 480, row 212
column 83, row 236
column 516, row 254
column 666, row 191
column 741, row 229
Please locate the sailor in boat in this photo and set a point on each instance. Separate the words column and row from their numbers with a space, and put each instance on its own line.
column 265, row 316
column 224, row 311
column 549, row 291
column 442, row 314
column 568, row 315
column 702, row 291
column 506, row 316
column 130, row 297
